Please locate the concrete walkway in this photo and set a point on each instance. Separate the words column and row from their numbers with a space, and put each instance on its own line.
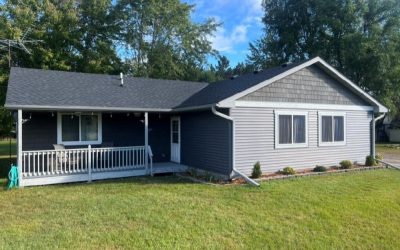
column 392, row 158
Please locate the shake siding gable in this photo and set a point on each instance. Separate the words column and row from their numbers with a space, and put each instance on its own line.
column 309, row 85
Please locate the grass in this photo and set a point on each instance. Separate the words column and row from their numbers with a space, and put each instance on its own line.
column 388, row 148
column 5, row 156
column 5, row 148
column 354, row 210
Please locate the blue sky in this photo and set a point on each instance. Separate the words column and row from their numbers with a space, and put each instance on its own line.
column 241, row 24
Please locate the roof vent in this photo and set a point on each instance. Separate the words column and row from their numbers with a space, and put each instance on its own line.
column 284, row 65
column 233, row 77
column 121, row 77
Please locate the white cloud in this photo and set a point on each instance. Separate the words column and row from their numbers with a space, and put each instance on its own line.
column 224, row 41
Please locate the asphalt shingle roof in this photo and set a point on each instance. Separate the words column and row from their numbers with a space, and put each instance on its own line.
column 49, row 88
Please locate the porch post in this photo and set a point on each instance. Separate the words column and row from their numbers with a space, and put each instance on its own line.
column 19, row 146
column 146, row 140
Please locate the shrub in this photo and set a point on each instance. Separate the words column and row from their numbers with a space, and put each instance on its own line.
column 379, row 157
column 370, row 161
column 288, row 171
column 320, row 169
column 193, row 172
column 256, row 170
column 346, row 164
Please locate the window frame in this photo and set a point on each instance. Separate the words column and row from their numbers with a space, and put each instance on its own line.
column 333, row 143
column 80, row 142
column 292, row 113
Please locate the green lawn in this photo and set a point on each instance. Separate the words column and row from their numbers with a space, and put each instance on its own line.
column 353, row 210
column 388, row 148
column 5, row 148
column 5, row 156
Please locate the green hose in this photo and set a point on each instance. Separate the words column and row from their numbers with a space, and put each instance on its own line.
column 13, row 177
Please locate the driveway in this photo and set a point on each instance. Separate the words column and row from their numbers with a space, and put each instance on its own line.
column 392, row 158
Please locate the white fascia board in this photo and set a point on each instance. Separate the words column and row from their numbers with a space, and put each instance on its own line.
column 295, row 105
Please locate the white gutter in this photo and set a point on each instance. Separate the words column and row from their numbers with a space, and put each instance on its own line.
column 237, row 172
column 373, row 151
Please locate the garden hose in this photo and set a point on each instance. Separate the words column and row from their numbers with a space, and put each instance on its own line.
column 13, row 177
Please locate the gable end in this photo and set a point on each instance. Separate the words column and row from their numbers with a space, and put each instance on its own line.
column 308, row 85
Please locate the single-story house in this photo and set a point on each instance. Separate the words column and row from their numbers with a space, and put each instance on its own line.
column 81, row 127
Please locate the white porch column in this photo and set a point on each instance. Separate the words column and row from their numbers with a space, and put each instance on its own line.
column 19, row 146
column 146, row 140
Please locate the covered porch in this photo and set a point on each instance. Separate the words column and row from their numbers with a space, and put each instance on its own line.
column 77, row 146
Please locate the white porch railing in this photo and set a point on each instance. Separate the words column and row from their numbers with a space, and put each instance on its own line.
column 84, row 161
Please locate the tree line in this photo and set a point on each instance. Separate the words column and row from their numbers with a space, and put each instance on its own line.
column 158, row 39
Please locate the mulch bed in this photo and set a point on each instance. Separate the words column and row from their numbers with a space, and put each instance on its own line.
column 279, row 176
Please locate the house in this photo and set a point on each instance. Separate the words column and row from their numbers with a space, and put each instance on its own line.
column 82, row 127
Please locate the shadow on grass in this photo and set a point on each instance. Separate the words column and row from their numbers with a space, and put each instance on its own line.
column 139, row 180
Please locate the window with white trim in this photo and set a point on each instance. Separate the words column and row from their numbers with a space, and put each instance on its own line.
column 332, row 128
column 291, row 129
column 79, row 128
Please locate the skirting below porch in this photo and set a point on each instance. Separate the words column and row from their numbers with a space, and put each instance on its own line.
column 158, row 168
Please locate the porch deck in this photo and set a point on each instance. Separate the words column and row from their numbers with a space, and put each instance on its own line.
column 45, row 167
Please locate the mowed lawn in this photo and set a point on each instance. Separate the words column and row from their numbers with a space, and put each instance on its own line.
column 5, row 156
column 358, row 210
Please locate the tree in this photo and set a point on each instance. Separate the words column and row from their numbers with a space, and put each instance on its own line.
column 223, row 70
column 161, row 41
column 359, row 38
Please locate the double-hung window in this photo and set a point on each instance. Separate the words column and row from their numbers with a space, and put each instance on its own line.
column 291, row 129
column 79, row 128
column 332, row 128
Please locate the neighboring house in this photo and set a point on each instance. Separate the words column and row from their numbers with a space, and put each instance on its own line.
column 297, row 115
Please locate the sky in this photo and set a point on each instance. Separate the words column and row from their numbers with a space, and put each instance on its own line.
column 241, row 24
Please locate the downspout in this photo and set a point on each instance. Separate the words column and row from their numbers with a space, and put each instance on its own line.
column 374, row 120
column 237, row 172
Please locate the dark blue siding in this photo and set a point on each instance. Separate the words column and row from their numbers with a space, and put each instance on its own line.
column 40, row 132
column 206, row 142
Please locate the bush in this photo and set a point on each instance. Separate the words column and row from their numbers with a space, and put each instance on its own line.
column 346, row 164
column 379, row 157
column 370, row 161
column 288, row 171
column 320, row 169
column 256, row 170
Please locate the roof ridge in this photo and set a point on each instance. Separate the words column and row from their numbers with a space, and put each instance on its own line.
column 106, row 74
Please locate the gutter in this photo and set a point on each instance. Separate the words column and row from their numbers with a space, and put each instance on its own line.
column 374, row 120
column 237, row 172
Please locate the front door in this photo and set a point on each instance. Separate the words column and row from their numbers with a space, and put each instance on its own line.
column 175, row 139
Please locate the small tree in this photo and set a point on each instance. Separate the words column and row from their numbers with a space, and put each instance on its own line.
column 256, row 170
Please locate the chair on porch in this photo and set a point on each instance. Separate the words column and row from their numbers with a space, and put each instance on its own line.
column 63, row 158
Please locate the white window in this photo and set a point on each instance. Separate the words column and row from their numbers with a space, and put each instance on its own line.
column 291, row 129
column 332, row 128
column 79, row 128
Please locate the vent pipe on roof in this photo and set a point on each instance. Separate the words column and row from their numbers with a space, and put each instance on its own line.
column 121, row 77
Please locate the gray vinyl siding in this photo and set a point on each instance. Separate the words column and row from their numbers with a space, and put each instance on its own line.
column 309, row 85
column 206, row 142
column 255, row 131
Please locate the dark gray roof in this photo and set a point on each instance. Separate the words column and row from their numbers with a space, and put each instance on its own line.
column 32, row 88
column 48, row 88
column 218, row 91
